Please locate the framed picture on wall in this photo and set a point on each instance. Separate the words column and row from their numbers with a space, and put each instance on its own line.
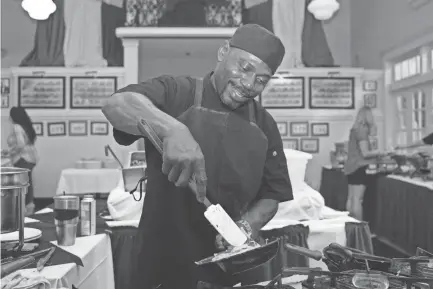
column 332, row 93
column 310, row 145
column 369, row 85
column 320, row 129
column 284, row 91
column 56, row 129
column 39, row 128
column 299, row 128
column 91, row 92
column 282, row 128
column 99, row 128
column 291, row 143
column 77, row 128
column 5, row 91
column 41, row 92
column 370, row 100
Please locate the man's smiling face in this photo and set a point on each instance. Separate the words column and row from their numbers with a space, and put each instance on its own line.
column 239, row 76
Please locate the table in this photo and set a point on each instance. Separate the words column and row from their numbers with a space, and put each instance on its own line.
column 398, row 209
column 88, row 181
column 405, row 213
column 94, row 252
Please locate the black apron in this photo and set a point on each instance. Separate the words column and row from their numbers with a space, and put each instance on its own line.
column 173, row 232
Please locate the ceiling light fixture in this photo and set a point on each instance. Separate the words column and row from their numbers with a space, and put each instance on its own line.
column 323, row 9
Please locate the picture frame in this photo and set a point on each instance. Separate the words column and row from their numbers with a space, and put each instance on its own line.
column 56, row 128
column 284, row 92
column 88, row 92
column 283, row 128
column 99, row 128
column 78, row 128
column 5, row 92
column 39, row 128
column 299, row 128
column 332, row 93
column 42, row 92
column 310, row 145
column 291, row 143
column 320, row 129
column 369, row 85
column 370, row 100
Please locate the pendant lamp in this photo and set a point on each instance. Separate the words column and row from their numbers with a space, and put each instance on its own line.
column 39, row 10
column 323, row 9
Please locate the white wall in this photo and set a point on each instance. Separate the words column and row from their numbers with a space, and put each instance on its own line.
column 60, row 152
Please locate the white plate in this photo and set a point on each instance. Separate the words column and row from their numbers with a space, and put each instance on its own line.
column 30, row 234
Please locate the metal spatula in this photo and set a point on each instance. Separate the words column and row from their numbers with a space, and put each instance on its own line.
column 215, row 214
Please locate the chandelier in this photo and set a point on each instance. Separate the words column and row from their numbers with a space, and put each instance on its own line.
column 323, row 9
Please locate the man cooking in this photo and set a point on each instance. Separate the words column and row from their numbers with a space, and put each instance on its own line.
column 214, row 132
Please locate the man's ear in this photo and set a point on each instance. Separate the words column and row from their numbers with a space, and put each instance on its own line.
column 223, row 51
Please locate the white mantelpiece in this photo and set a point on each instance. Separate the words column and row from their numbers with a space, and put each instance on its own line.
column 131, row 37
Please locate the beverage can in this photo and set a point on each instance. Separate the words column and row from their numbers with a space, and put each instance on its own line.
column 88, row 216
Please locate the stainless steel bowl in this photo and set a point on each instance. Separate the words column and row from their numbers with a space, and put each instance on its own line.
column 11, row 176
column 11, row 209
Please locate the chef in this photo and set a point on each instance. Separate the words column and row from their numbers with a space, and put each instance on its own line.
column 213, row 131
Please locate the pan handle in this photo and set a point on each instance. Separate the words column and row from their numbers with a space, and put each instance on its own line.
column 302, row 271
column 314, row 254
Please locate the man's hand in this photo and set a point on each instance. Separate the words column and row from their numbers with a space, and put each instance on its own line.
column 183, row 161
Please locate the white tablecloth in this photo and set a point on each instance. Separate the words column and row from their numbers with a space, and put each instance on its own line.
column 416, row 181
column 97, row 273
column 88, row 181
column 332, row 229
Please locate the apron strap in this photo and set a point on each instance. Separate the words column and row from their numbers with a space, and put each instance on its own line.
column 252, row 113
column 198, row 92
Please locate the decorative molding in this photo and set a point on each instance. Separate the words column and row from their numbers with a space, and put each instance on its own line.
column 173, row 32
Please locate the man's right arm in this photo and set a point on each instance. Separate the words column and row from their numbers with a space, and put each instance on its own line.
column 124, row 109
column 147, row 100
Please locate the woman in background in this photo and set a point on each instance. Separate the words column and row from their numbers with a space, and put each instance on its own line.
column 359, row 157
column 22, row 151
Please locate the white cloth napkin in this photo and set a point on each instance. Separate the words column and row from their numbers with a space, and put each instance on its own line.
column 25, row 279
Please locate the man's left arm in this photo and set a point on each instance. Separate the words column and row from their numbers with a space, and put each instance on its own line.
column 276, row 186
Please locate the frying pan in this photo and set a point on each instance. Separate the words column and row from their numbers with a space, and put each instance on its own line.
column 240, row 261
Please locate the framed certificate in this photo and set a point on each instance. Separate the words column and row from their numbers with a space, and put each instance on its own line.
column 56, row 129
column 91, row 92
column 5, row 91
column 282, row 128
column 332, row 93
column 41, row 92
column 77, row 128
column 299, row 128
column 99, row 128
column 320, row 129
column 39, row 128
column 291, row 143
column 283, row 92
column 310, row 145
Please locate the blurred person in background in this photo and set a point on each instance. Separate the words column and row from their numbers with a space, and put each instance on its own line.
column 360, row 155
column 21, row 148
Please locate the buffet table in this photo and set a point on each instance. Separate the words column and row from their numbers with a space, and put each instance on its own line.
column 398, row 209
column 88, row 181
column 404, row 213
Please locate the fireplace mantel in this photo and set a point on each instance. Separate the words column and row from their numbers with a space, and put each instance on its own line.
column 131, row 37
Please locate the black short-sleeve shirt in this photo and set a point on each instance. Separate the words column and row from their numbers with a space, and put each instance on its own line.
column 428, row 140
column 174, row 95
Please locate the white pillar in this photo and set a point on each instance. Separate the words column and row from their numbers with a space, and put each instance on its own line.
column 130, row 59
